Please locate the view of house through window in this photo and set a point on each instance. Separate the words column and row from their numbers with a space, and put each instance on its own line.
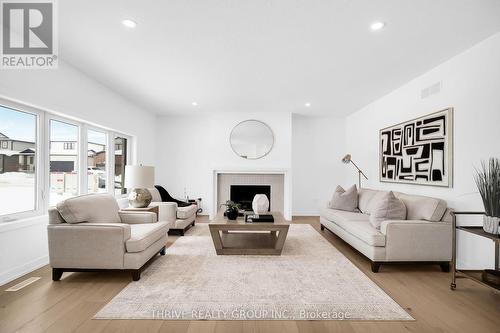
column 120, row 162
column 63, row 161
column 17, row 161
column 23, row 158
column 96, row 161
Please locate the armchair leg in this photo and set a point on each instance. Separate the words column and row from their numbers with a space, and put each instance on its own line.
column 445, row 266
column 163, row 251
column 56, row 274
column 136, row 275
column 322, row 227
column 375, row 267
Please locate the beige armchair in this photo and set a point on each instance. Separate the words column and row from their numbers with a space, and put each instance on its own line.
column 180, row 218
column 90, row 233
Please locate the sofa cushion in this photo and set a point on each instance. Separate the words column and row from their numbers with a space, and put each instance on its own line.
column 143, row 235
column 55, row 217
column 387, row 208
column 422, row 208
column 335, row 215
column 368, row 199
column 344, row 200
column 186, row 212
column 364, row 231
column 92, row 208
column 155, row 194
column 357, row 224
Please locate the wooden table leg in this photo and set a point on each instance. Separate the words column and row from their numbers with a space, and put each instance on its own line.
column 280, row 242
column 217, row 240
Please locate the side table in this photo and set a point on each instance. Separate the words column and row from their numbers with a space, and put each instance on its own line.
column 476, row 230
column 151, row 208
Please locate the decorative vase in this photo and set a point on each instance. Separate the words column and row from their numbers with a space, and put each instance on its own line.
column 260, row 204
column 232, row 214
column 490, row 224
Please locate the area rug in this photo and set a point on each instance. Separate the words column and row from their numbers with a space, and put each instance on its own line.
column 311, row 280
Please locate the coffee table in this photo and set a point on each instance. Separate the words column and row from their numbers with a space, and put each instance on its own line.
column 241, row 238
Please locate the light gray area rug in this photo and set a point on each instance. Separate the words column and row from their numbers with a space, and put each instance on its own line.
column 311, row 280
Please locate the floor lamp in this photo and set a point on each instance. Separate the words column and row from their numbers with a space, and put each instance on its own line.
column 347, row 159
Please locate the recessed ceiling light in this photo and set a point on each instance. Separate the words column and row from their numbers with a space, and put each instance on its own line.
column 307, row 105
column 129, row 23
column 377, row 25
column 194, row 104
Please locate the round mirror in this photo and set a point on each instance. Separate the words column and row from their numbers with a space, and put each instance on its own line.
column 251, row 139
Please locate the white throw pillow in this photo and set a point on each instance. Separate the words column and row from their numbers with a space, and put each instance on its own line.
column 345, row 200
column 387, row 207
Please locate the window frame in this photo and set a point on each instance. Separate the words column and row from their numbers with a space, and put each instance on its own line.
column 49, row 117
column 38, row 192
column 107, row 133
column 42, row 157
column 129, row 158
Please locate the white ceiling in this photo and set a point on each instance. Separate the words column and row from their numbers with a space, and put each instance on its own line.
column 266, row 55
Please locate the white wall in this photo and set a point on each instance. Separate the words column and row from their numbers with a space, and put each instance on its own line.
column 471, row 85
column 191, row 147
column 23, row 244
column 318, row 144
column 71, row 93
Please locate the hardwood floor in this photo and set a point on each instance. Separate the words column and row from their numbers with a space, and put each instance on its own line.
column 69, row 305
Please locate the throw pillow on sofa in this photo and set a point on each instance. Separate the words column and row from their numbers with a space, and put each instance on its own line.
column 388, row 207
column 345, row 200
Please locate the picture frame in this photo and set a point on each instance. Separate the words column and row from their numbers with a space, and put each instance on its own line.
column 418, row 151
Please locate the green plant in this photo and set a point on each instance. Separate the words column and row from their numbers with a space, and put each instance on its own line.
column 230, row 205
column 488, row 182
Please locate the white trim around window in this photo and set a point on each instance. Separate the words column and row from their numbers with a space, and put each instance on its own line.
column 42, row 155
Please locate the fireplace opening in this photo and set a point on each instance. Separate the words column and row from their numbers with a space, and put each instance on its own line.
column 244, row 194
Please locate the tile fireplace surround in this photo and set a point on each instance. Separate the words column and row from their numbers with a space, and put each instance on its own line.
column 279, row 180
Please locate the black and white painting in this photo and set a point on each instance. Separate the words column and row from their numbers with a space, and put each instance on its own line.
column 418, row 151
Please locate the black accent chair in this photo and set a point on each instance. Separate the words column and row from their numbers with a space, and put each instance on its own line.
column 166, row 197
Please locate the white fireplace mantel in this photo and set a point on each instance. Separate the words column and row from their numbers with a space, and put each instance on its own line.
column 287, row 191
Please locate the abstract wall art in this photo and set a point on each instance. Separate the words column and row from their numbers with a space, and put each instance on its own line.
column 419, row 151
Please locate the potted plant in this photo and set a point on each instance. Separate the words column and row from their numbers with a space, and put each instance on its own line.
column 488, row 182
column 232, row 210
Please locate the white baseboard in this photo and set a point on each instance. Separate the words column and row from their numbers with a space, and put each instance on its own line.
column 16, row 272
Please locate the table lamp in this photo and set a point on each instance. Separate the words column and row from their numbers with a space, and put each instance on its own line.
column 139, row 178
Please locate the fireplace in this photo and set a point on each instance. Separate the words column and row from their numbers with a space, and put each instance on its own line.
column 244, row 194
column 277, row 182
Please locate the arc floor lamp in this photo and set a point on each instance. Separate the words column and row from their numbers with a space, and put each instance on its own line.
column 347, row 159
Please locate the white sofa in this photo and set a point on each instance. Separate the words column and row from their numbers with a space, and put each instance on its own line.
column 180, row 218
column 90, row 233
column 425, row 236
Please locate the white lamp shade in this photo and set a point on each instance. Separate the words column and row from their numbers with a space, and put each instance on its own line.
column 138, row 176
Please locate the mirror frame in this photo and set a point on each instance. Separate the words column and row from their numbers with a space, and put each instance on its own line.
column 261, row 122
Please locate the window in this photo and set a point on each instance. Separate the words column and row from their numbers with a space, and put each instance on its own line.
column 17, row 163
column 120, row 162
column 45, row 159
column 63, row 162
column 96, row 161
